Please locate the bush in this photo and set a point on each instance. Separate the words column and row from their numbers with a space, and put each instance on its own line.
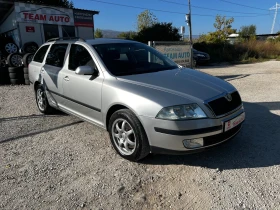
column 244, row 51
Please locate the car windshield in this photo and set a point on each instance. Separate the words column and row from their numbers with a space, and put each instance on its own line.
column 132, row 58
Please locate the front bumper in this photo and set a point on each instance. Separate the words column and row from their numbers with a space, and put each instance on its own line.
column 167, row 136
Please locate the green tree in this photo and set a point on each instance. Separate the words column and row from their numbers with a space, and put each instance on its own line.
column 223, row 28
column 248, row 31
column 98, row 33
column 58, row 3
column 146, row 19
column 127, row 35
column 158, row 32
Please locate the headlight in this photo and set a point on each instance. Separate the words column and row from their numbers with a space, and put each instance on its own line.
column 181, row 112
column 200, row 55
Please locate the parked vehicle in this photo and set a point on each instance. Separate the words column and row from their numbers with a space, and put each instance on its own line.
column 143, row 99
column 200, row 57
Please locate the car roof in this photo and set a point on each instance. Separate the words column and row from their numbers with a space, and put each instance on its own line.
column 93, row 41
column 106, row 41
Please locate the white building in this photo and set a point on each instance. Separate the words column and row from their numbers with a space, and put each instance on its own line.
column 37, row 23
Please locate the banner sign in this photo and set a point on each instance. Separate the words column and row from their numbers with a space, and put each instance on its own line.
column 179, row 53
column 83, row 18
column 30, row 29
column 43, row 14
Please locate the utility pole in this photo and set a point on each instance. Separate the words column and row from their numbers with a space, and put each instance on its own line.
column 189, row 22
column 276, row 7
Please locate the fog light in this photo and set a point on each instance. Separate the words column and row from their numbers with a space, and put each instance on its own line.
column 193, row 143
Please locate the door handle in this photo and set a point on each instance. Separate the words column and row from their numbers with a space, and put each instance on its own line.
column 66, row 78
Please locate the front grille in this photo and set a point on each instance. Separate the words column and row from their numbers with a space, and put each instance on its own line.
column 210, row 140
column 222, row 106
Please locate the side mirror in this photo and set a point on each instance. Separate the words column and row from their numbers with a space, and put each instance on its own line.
column 85, row 70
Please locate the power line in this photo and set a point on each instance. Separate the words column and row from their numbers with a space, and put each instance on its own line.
column 172, row 2
column 157, row 10
column 243, row 5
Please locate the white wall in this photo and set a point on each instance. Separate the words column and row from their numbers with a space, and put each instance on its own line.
column 31, row 36
column 85, row 32
column 9, row 23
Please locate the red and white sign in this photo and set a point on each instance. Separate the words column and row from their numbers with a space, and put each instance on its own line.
column 234, row 122
column 43, row 17
column 43, row 14
column 30, row 29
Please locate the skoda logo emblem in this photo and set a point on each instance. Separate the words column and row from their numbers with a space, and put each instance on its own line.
column 228, row 97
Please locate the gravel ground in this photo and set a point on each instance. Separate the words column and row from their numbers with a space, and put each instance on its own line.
column 60, row 162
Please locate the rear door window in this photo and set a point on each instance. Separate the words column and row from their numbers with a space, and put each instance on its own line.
column 56, row 55
column 40, row 55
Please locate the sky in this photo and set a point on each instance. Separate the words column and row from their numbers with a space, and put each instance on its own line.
column 120, row 18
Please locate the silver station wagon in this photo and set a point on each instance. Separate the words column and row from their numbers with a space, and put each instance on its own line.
column 146, row 102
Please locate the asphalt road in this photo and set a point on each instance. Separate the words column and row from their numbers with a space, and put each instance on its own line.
column 60, row 162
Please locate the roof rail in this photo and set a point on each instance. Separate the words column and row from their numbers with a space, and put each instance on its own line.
column 66, row 38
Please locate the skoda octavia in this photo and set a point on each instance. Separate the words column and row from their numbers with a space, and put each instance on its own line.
column 146, row 102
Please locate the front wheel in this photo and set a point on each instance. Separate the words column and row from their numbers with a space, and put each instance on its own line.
column 128, row 136
column 42, row 101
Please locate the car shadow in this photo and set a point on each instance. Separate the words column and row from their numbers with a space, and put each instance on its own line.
column 257, row 145
column 233, row 77
column 56, row 114
column 16, row 137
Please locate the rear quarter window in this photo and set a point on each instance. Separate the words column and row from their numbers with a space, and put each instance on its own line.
column 40, row 55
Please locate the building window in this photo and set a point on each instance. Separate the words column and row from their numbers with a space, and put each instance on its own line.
column 50, row 31
column 68, row 31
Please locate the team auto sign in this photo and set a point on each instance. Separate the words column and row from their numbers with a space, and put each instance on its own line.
column 43, row 14
column 179, row 53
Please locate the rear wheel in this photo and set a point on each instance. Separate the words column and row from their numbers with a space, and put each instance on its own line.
column 128, row 136
column 42, row 101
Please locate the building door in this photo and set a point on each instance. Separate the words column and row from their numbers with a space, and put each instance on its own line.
column 50, row 31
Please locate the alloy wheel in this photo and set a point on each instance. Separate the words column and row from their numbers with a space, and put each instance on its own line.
column 11, row 48
column 16, row 60
column 41, row 99
column 123, row 137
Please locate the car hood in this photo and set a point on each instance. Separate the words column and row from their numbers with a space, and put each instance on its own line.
column 184, row 82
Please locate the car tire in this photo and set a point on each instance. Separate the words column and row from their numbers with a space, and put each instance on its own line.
column 10, row 47
column 14, row 75
column 15, row 69
column 42, row 100
column 133, row 146
column 26, row 82
column 25, row 70
column 15, row 60
column 27, row 58
column 30, row 47
column 26, row 76
column 15, row 81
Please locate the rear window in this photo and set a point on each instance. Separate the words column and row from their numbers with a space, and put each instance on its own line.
column 39, row 56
